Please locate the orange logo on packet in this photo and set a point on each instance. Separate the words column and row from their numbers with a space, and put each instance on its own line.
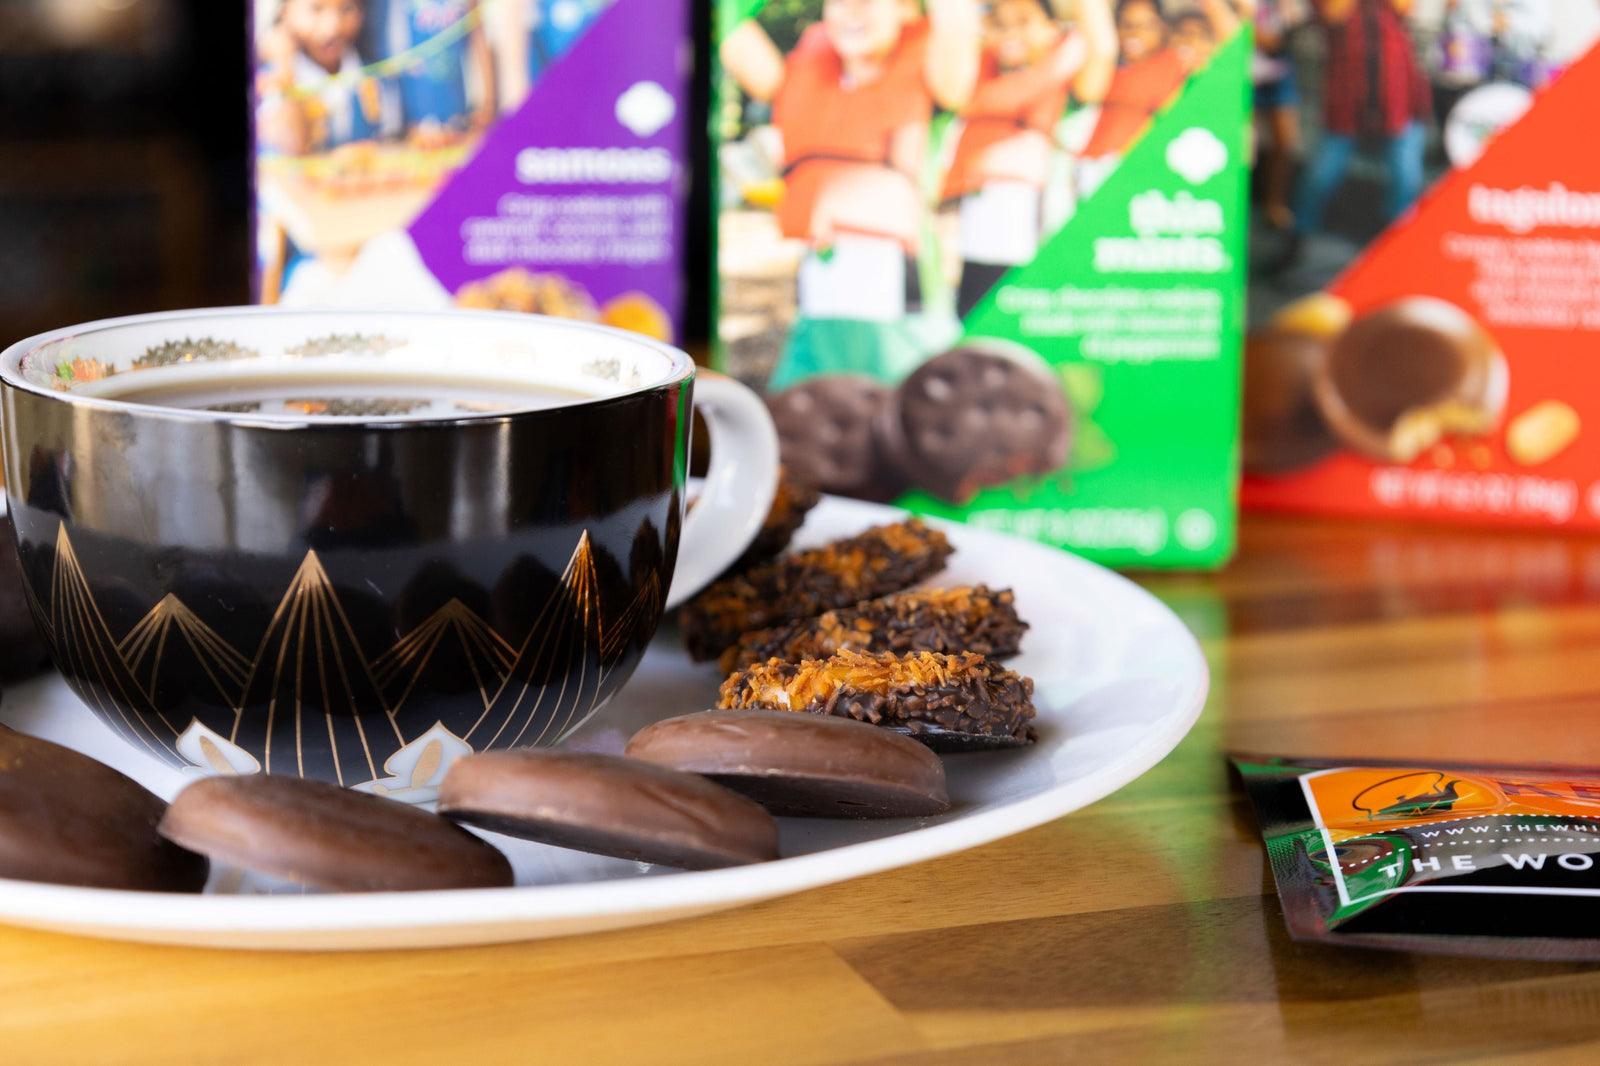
column 1358, row 801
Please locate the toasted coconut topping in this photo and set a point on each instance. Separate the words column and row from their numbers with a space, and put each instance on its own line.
column 963, row 618
column 881, row 560
column 920, row 693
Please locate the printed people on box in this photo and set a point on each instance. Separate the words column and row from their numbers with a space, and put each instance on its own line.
column 1277, row 109
column 920, row 151
column 1197, row 32
column 1151, row 71
column 1497, row 40
column 1001, row 164
column 1407, row 88
column 1148, row 74
column 1193, row 39
column 1372, row 89
column 554, row 27
column 443, row 47
column 526, row 37
column 313, row 93
column 851, row 107
column 333, row 72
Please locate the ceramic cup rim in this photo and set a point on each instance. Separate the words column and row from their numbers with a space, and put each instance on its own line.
column 682, row 367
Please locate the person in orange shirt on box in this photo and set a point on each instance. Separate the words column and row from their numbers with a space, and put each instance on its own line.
column 1002, row 158
column 851, row 104
column 1151, row 74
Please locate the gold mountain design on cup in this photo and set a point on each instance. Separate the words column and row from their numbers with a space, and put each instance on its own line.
column 71, row 371
column 639, row 617
column 144, row 649
column 310, row 660
column 346, row 344
column 84, row 649
column 552, row 648
column 487, row 653
column 309, row 672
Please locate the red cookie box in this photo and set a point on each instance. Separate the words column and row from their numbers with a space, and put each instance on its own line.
column 1511, row 239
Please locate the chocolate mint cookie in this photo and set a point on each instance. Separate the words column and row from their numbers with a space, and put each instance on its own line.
column 69, row 820
column 608, row 805
column 321, row 835
column 801, row 764
column 976, row 416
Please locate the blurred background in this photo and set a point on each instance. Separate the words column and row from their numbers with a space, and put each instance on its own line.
column 124, row 180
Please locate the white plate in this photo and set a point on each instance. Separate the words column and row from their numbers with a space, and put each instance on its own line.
column 1118, row 682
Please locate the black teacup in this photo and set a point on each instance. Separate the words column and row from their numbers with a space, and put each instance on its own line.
column 354, row 545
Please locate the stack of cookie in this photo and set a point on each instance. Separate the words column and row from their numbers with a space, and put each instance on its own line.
column 841, row 631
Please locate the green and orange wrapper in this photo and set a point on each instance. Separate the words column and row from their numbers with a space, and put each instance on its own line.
column 1442, row 857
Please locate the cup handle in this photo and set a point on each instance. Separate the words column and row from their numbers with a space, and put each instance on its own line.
column 738, row 487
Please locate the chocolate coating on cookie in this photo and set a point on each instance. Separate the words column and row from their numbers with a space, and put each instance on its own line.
column 827, row 434
column 609, row 805
column 964, row 618
column 1405, row 375
column 805, row 765
column 872, row 563
column 324, row 836
column 1282, row 428
column 69, row 820
column 978, row 415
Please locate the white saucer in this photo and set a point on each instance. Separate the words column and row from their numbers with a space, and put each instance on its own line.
column 1118, row 678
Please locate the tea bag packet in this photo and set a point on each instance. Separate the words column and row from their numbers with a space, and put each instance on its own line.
column 1420, row 856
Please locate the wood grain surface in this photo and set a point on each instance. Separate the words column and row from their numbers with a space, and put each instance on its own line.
column 1144, row 928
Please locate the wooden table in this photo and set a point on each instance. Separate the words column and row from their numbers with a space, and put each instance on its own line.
column 1142, row 928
